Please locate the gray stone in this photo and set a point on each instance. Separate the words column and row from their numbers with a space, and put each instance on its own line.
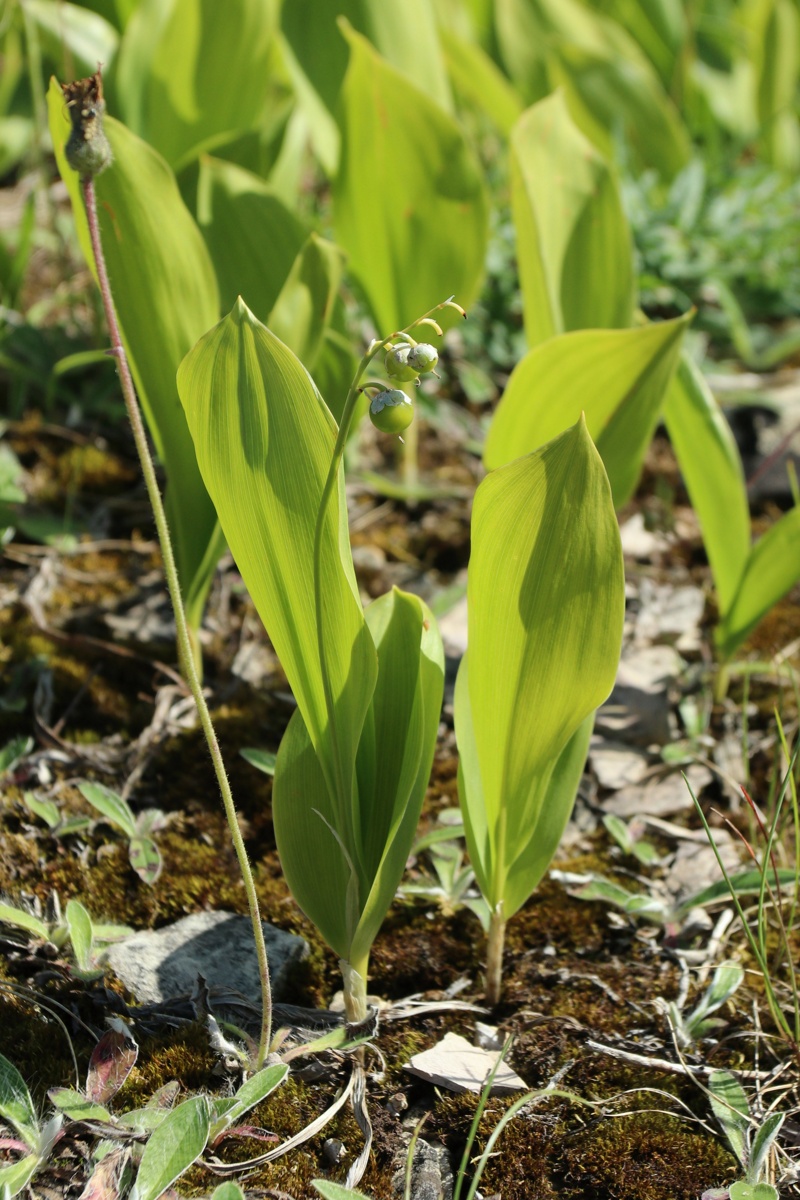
column 665, row 797
column 157, row 965
column 616, row 765
column 431, row 1173
column 638, row 710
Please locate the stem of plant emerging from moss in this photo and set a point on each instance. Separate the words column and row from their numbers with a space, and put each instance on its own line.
column 494, row 957
column 186, row 656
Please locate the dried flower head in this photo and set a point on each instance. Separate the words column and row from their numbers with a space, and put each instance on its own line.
column 88, row 150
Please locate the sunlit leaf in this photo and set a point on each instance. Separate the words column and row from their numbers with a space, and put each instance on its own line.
column 155, row 254
column 112, row 1061
column 85, row 35
column 713, row 474
column 730, row 1107
column 177, row 63
column 617, row 378
column 24, row 920
column 77, row 1106
column 573, row 244
column 772, row 568
column 409, row 201
column 81, row 934
column 172, row 1148
column 111, row 805
column 545, row 609
column 145, row 858
column 16, row 1105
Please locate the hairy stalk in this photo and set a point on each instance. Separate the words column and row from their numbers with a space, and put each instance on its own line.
column 186, row 656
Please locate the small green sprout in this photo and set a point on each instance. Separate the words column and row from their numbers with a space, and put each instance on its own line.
column 144, row 855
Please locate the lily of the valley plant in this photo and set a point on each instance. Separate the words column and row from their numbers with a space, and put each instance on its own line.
column 353, row 765
column 545, row 603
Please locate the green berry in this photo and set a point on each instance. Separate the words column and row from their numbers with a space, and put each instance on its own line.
column 422, row 357
column 397, row 363
column 391, row 411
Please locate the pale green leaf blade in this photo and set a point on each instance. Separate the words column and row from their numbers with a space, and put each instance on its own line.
column 77, row 1106
column 739, row 1190
column 263, row 760
column 86, row 35
column 730, row 1107
column 546, row 603
column 252, row 1092
column 172, row 1148
column 396, row 750
column 573, row 244
column 335, row 1191
column 193, row 73
column 480, row 82
column 16, row 1176
column 145, row 858
column 304, row 308
column 478, row 830
column 402, row 31
column 617, row 378
column 23, row 920
column 314, row 862
column 555, row 808
column 155, row 254
column 772, row 568
column 111, row 805
column 251, row 235
column 765, row 1135
column 712, row 471
column 228, row 1191
column 426, row 237
column 264, row 442
column 81, row 933
column 16, row 1105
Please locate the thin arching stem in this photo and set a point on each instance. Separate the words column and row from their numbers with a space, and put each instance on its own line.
column 185, row 654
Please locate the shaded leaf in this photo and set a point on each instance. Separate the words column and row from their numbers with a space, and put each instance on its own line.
column 16, row 1105
column 145, row 858
column 264, row 760
column 772, row 568
column 81, row 934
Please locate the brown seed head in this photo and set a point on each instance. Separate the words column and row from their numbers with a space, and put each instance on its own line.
column 88, row 151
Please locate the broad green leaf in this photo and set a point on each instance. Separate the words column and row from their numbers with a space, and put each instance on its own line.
column 765, row 1135
column 13, row 752
column 145, row 858
column 712, row 471
column 24, row 920
column 534, row 856
column 165, row 294
column 47, row 810
column 345, row 880
column 617, row 378
column 545, row 600
column 772, row 568
column 304, row 308
column 409, row 201
column 77, row 1106
column 264, row 442
column 573, row 244
column 730, row 1107
column 15, row 1177
column 252, row 1092
column 777, row 63
column 609, row 81
column 228, row 1191
column 86, row 36
column 81, row 934
column 752, row 1191
column 178, row 1141
column 111, row 805
column 396, row 749
column 480, row 82
column 658, row 26
column 335, row 1191
column 252, row 237
column 402, row 31
column 16, row 1105
column 194, row 73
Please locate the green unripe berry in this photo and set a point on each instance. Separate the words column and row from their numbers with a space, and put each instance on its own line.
column 397, row 364
column 422, row 357
column 391, row 411
column 88, row 150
